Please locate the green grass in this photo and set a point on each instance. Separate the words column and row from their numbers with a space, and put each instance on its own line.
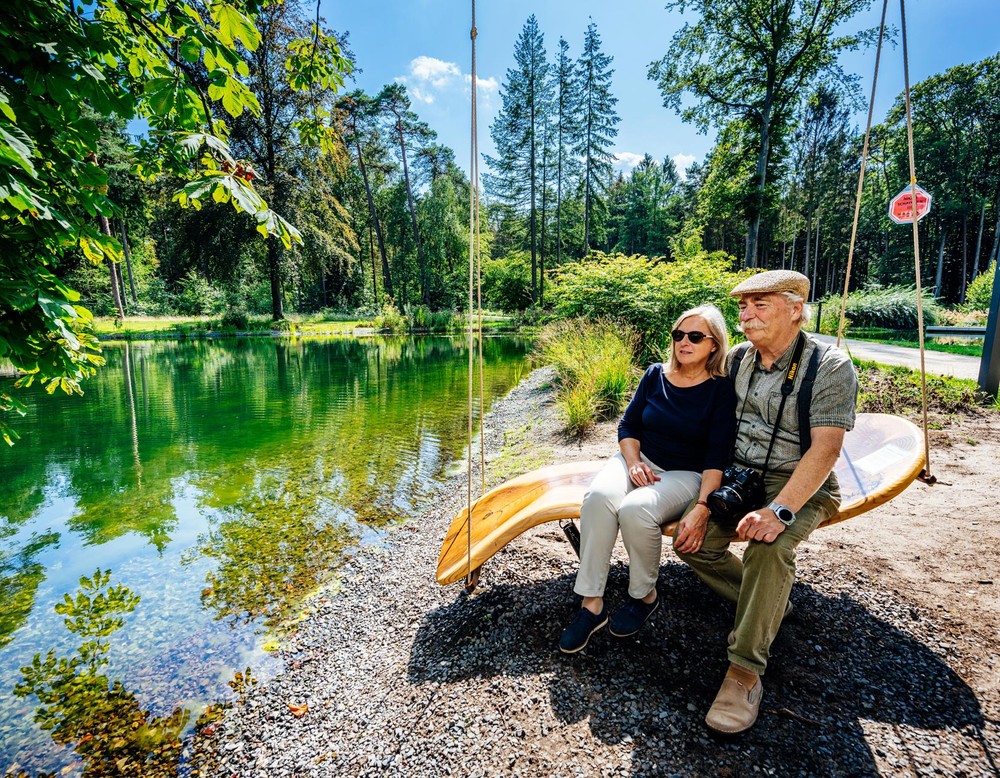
column 140, row 326
column 896, row 390
column 971, row 349
column 517, row 455
column 595, row 368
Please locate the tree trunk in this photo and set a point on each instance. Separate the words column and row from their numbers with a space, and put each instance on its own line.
column 371, row 253
column 979, row 243
column 996, row 234
column 965, row 256
column 386, row 275
column 815, row 262
column 532, row 180
column 753, row 231
column 116, row 294
column 422, row 264
column 559, row 210
column 541, row 243
column 795, row 236
column 274, row 272
column 128, row 262
column 121, row 286
column 940, row 264
column 808, row 252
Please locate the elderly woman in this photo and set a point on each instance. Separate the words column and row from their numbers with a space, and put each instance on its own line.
column 675, row 439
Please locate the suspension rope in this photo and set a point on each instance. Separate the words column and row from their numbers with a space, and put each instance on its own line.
column 926, row 474
column 475, row 275
column 861, row 177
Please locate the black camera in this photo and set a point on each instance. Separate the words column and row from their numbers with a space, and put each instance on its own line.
column 742, row 491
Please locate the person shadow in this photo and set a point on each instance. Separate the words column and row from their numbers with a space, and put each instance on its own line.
column 837, row 672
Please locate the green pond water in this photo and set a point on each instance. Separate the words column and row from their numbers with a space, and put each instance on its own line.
column 215, row 485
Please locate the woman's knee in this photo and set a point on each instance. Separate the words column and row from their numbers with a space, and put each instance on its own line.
column 637, row 518
column 602, row 498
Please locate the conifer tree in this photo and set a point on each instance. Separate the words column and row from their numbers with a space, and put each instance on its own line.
column 566, row 96
column 518, row 135
column 406, row 126
column 598, row 127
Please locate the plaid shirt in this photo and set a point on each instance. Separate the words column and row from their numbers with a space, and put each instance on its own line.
column 758, row 393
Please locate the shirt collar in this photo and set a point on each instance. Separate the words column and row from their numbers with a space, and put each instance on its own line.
column 781, row 363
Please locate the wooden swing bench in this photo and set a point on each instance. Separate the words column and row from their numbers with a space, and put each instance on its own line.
column 880, row 457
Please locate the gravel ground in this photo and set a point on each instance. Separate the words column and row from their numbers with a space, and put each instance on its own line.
column 885, row 668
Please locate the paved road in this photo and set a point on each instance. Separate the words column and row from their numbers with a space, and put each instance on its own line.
column 939, row 362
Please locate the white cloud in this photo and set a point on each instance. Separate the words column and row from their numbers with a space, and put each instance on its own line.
column 429, row 76
column 683, row 162
column 625, row 161
column 436, row 71
column 487, row 86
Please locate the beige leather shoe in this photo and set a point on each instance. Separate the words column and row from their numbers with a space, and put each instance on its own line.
column 735, row 707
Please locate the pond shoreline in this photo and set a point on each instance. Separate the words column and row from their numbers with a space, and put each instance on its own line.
column 356, row 332
column 879, row 672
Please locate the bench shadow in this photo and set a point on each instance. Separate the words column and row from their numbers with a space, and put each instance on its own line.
column 834, row 665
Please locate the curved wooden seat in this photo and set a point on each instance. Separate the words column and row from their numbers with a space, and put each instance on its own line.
column 880, row 457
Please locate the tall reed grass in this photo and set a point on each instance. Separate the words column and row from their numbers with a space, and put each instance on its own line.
column 893, row 307
column 595, row 367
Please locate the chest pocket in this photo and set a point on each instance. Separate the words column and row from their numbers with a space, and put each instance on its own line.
column 789, row 430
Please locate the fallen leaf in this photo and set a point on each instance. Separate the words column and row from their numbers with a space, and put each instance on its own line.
column 298, row 710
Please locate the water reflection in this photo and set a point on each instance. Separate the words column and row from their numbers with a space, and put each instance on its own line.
column 222, row 481
column 84, row 709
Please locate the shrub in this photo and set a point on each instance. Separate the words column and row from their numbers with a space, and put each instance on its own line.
column 235, row 319
column 595, row 368
column 423, row 319
column 894, row 307
column 645, row 293
column 389, row 319
column 507, row 281
column 197, row 297
column 980, row 291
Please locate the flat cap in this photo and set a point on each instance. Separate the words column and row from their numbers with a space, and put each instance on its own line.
column 774, row 281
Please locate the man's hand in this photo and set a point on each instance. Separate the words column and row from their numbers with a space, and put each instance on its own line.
column 692, row 529
column 760, row 525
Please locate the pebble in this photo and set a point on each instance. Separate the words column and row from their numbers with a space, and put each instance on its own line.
column 408, row 678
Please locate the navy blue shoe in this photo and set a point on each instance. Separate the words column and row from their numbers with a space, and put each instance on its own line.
column 577, row 634
column 630, row 617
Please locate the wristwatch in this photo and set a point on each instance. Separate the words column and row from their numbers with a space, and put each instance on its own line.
column 785, row 515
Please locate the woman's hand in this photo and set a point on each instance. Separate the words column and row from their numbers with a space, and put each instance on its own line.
column 692, row 529
column 642, row 474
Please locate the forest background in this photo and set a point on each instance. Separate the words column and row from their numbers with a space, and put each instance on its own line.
column 310, row 195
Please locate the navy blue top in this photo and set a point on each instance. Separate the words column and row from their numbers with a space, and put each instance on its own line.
column 682, row 428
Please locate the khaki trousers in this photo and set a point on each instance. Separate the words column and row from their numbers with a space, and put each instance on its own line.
column 761, row 583
column 614, row 503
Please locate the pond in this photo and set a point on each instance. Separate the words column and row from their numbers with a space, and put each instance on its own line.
column 158, row 534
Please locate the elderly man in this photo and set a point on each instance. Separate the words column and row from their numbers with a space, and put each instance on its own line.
column 801, row 489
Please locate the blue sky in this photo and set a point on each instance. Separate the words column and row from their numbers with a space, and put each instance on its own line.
column 425, row 44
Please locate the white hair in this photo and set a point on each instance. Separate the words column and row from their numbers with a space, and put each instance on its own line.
column 791, row 298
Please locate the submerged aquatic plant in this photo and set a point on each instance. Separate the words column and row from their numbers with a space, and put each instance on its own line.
column 85, row 709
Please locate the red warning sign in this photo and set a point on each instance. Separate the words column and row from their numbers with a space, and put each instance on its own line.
column 901, row 206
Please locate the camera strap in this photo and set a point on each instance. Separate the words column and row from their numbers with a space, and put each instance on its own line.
column 786, row 389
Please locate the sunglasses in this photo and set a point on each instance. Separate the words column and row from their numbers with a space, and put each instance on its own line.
column 694, row 336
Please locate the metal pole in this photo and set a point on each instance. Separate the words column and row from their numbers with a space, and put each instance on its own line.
column 989, row 367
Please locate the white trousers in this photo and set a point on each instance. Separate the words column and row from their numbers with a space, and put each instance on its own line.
column 614, row 503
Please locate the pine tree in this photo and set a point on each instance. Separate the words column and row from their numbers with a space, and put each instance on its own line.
column 405, row 125
column 598, row 120
column 567, row 127
column 518, row 135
